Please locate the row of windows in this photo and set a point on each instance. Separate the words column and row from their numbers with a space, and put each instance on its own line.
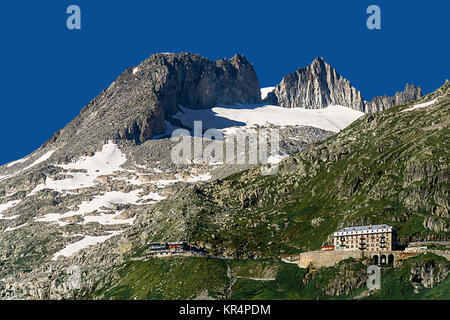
column 366, row 236
column 356, row 247
column 363, row 241
column 368, row 239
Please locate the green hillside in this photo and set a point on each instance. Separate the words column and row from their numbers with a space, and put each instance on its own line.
column 203, row 278
column 390, row 167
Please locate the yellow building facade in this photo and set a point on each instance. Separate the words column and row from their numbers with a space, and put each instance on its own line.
column 365, row 238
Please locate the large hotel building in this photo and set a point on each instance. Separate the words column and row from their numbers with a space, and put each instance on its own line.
column 370, row 238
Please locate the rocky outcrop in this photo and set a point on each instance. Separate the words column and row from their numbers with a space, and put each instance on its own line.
column 137, row 104
column 381, row 103
column 319, row 86
column 349, row 278
column 348, row 275
column 436, row 224
column 428, row 274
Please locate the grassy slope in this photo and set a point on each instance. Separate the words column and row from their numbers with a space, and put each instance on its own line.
column 188, row 278
column 173, row 278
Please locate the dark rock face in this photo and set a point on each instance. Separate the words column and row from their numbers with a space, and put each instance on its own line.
column 137, row 103
column 381, row 103
column 319, row 86
column 316, row 86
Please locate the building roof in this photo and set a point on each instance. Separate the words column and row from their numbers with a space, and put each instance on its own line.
column 364, row 229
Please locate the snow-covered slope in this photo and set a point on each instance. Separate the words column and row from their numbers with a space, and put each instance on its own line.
column 43, row 158
column 333, row 118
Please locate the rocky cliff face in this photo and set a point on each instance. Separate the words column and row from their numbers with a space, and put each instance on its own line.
column 319, row 85
column 137, row 103
column 316, row 86
column 381, row 103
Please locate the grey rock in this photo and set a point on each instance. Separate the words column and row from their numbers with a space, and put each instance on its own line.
column 137, row 104
column 428, row 274
column 436, row 224
column 319, row 85
column 381, row 103
column 316, row 86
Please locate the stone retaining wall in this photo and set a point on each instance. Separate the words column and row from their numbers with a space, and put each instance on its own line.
column 324, row 259
column 321, row 259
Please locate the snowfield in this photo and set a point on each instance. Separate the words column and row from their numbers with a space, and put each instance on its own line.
column 332, row 118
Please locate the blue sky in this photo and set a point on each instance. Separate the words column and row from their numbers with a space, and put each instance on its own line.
column 49, row 73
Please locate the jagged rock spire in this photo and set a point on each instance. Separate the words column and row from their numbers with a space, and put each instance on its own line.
column 319, row 85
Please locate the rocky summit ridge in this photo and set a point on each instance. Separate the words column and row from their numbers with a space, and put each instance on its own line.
column 136, row 106
column 141, row 102
column 319, row 85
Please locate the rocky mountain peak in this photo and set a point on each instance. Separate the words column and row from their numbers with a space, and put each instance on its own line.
column 318, row 60
column 136, row 106
column 319, row 63
column 319, row 85
column 316, row 86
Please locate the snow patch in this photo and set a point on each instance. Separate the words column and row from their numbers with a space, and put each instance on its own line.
column 14, row 228
column 266, row 91
column 420, row 105
column 202, row 177
column 191, row 179
column 105, row 162
column 155, row 197
column 99, row 206
column 13, row 163
column 277, row 158
column 86, row 242
column 6, row 206
column 43, row 158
